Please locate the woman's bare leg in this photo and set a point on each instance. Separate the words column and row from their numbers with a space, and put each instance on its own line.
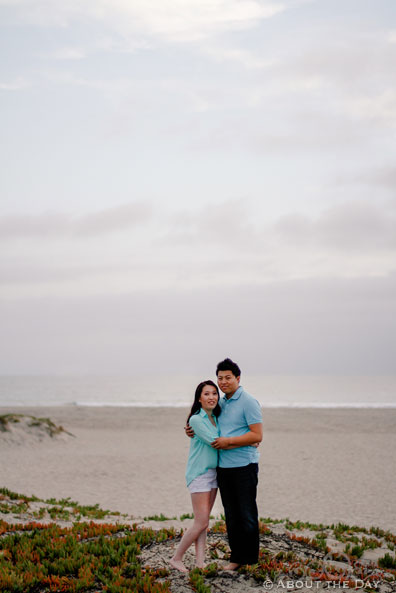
column 200, row 542
column 201, row 507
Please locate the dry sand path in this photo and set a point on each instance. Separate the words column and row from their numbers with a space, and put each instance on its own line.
column 316, row 465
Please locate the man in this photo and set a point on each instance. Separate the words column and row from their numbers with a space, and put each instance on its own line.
column 240, row 424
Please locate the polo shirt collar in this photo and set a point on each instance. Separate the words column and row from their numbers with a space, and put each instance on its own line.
column 236, row 395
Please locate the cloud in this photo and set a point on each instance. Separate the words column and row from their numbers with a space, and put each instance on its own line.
column 362, row 227
column 355, row 76
column 172, row 20
column 320, row 97
column 16, row 85
column 384, row 177
column 36, row 273
column 359, row 226
column 229, row 244
column 114, row 219
column 210, row 224
column 68, row 53
column 54, row 224
column 380, row 107
column 352, row 66
column 42, row 225
column 238, row 55
column 392, row 36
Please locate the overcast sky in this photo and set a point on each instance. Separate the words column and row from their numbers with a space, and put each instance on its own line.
column 184, row 180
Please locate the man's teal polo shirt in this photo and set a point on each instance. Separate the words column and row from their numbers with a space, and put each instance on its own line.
column 236, row 414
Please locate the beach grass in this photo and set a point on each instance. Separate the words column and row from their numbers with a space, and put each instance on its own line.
column 197, row 581
column 160, row 517
column 186, row 516
column 64, row 509
column 388, row 561
column 52, row 429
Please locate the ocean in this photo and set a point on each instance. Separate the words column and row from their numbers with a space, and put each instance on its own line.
column 316, row 391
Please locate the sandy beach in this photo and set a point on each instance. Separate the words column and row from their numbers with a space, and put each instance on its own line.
column 325, row 465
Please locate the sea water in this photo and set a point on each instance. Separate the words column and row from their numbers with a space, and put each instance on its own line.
column 178, row 391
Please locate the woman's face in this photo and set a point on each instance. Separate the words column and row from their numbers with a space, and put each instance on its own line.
column 208, row 398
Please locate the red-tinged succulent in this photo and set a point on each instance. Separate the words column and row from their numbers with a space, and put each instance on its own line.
column 77, row 559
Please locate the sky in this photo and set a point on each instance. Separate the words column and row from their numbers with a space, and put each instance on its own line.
column 184, row 180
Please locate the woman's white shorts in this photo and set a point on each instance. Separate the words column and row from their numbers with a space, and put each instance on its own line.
column 205, row 482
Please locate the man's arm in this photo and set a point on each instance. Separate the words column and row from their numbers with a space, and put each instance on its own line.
column 189, row 431
column 255, row 435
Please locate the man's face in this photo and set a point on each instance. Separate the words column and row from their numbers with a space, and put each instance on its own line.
column 227, row 382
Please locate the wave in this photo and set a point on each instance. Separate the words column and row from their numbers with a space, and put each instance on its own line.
column 328, row 405
column 145, row 404
column 182, row 404
column 263, row 405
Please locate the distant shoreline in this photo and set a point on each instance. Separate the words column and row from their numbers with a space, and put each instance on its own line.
column 299, row 406
column 314, row 392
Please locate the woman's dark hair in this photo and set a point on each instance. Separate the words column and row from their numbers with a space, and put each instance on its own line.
column 228, row 365
column 197, row 404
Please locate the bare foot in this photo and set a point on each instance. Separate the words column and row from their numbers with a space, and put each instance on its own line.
column 231, row 566
column 178, row 564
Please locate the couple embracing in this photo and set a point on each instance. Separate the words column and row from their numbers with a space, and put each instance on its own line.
column 225, row 432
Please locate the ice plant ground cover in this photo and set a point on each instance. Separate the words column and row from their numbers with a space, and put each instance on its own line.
column 49, row 557
column 46, row 546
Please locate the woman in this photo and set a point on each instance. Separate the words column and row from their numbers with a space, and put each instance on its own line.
column 201, row 471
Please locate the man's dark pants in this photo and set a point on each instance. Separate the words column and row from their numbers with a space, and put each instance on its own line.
column 238, row 489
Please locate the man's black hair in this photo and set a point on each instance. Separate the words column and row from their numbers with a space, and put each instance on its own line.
column 228, row 365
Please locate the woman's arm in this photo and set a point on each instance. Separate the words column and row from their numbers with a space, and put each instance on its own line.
column 205, row 433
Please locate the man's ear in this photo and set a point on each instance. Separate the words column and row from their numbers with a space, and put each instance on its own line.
column 239, row 379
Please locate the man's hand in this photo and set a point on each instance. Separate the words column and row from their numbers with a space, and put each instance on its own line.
column 189, row 431
column 221, row 443
column 250, row 438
